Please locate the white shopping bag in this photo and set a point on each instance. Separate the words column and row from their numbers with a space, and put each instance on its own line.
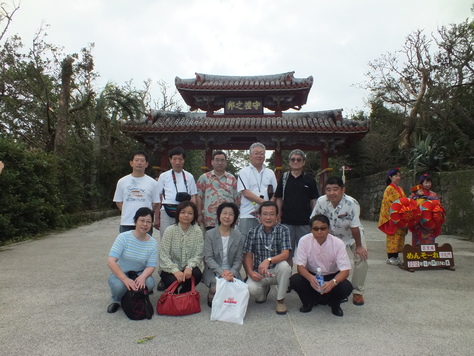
column 230, row 301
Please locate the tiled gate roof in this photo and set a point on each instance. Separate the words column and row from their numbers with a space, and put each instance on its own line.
column 208, row 82
column 311, row 128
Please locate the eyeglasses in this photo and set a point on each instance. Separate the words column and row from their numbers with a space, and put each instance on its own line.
column 296, row 159
column 143, row 221
column 218, row 160
column 319, row 228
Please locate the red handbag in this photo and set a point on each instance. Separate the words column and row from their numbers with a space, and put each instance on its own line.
column 179, row 304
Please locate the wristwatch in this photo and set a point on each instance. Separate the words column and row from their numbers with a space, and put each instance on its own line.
column 269, row 259
column 335, row 282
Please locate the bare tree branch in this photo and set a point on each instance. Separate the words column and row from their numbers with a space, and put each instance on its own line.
column 8, row 15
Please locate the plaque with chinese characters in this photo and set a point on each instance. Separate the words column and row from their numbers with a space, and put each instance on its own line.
column 429, row 256
column 243, row 106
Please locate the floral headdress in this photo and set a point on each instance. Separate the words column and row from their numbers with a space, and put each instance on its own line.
column 393, row 171
column 426, row 175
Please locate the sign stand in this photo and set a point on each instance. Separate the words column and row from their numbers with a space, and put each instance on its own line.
column 429, row 256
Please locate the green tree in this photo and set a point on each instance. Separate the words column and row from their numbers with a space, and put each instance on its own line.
column 431, row 82
column 29, row 203
column 36, row 89
column 427, row 156
column 236, row 160
column 378, row 150
column 112, row 106
column 404, row 85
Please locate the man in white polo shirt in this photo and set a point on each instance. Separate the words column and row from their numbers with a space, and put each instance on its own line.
column 256, row 183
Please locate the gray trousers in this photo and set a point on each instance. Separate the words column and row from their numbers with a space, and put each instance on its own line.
column 359, row 273
column 296, row 233
column 281, row 277
column 165, row 221
column 246, row 224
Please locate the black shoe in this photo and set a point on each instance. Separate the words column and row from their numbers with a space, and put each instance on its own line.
column 161, row 287
column 209, row 302
column 112, row 308
column 336, row 310
column 306, row 308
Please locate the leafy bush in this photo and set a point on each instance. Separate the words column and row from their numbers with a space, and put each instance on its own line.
column 41, row 191
column 30, row 201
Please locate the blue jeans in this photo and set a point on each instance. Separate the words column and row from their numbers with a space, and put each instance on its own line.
column 118, row 289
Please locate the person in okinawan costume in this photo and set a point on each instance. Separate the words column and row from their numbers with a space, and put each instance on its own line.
column 395, row 235
column 422, row 193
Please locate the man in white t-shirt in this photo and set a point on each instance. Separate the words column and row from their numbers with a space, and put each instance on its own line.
column 175, row 185
column 136, row 190
column 256, row 183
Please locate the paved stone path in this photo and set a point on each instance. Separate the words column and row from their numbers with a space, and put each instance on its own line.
column 54, row 295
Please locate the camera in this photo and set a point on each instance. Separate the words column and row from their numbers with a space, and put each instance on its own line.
column 183, row 196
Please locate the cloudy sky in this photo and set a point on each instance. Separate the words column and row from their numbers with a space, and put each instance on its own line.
column 160, row 39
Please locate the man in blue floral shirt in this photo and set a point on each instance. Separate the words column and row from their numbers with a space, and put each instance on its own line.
column 343, row 213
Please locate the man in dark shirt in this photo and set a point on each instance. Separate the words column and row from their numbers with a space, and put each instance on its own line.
column 296, row 195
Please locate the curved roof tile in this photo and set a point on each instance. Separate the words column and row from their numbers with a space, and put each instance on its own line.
column 330, row 121
column 257, row 82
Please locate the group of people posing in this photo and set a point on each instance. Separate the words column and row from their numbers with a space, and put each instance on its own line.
column 251, row 221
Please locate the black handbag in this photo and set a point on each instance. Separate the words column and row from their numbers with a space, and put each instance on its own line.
column 136, row 303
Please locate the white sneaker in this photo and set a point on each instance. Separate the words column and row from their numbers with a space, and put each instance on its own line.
column 392, row 261
column 399, row 261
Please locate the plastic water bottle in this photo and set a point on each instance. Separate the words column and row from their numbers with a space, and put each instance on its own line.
column 319, row 277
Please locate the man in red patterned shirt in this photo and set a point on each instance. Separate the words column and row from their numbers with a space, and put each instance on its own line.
column 214, row 188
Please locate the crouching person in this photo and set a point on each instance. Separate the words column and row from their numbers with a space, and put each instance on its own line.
column 266, row 250
column 321, row 249
column 133, row 250
column 223, row 248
